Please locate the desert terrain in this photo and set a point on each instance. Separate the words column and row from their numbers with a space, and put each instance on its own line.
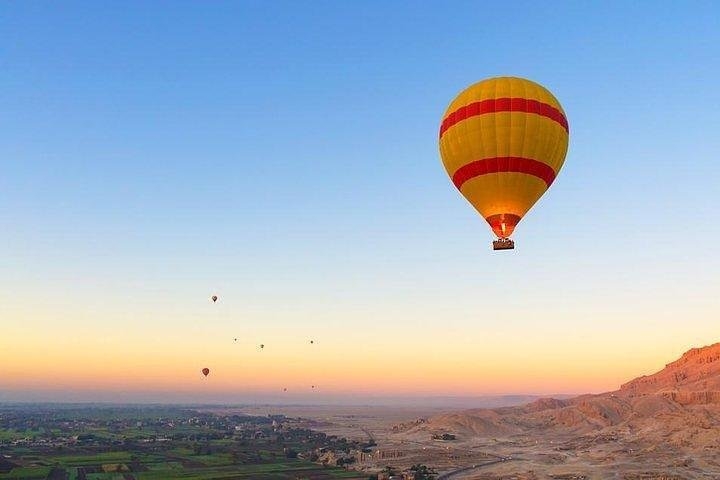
column 661, row 426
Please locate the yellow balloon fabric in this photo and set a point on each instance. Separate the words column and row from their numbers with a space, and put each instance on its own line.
column 503, row 141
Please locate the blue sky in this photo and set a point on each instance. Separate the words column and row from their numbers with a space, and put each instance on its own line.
column 285, row 155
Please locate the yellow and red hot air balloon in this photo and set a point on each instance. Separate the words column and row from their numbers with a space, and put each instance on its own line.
column 503, row 141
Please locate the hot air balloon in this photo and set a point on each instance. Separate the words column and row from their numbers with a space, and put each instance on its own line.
column 502, row 142
column 262, row 346
column 214, row 298
column 236, row 339
column 205, row 371
column 312, row 341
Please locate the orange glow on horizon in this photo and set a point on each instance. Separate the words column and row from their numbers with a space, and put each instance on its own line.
column 46, row 351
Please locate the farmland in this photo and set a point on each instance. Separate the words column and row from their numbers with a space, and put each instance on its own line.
column 154, row 443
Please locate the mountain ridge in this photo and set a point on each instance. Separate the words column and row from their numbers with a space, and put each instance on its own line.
column 678, row 404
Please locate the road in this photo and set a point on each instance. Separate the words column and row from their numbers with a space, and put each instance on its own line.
column 367, row 432
column 450, row 475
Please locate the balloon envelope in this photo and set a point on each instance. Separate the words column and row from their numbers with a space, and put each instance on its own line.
column 502, row 142
column 205, row 371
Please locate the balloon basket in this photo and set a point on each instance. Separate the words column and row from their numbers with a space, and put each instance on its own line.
column 503, row 244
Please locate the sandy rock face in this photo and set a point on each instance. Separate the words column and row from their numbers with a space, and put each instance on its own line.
column 679, row 405
column 698, row 370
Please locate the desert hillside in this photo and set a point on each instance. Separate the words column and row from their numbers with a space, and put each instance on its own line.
column 678, row 405
column 693, row 378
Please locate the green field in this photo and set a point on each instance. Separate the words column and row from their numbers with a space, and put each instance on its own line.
column 159, row 443
column 27, row 473
column 215, row 467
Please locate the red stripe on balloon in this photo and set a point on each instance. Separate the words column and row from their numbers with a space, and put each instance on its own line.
column 504, row 164
column 495, row 105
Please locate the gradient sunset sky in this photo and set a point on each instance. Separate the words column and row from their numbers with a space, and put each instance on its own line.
column 284, row 156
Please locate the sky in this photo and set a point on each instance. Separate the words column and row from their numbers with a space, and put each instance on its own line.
column 283, row 155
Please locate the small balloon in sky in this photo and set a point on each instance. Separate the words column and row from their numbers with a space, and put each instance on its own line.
column 206, row 371
column 214, row 298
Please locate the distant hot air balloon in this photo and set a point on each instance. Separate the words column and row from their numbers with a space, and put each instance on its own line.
column 313, row 386
column 502, row 142
column 262, row 346
column 284, row 389
column 312, row 341
column 236, row 339
column 205, row 371
column 214, row 298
